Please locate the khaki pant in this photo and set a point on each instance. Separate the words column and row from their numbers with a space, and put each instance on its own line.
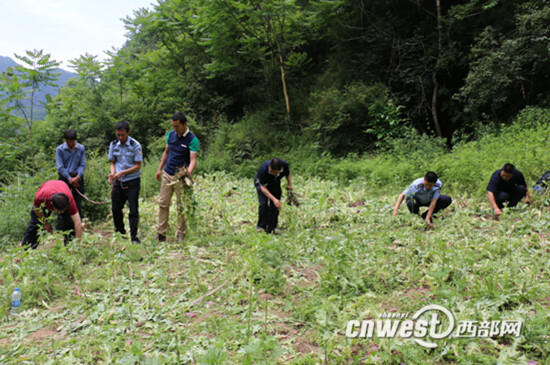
column 169, row 185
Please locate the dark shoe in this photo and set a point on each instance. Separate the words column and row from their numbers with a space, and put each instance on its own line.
column 161, row 237
column 136, row 240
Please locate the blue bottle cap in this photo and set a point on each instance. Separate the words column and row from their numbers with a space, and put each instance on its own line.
column 16, row 289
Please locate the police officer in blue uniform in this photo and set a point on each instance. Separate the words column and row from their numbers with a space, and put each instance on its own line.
column 424, row 192
column 126, row 155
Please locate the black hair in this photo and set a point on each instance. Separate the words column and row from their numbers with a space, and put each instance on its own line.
column 431, row 177
column 179, row 116
column 276, row 164
column 508, row 168
column 69, row 134
column 122, row 125
column 60, row 201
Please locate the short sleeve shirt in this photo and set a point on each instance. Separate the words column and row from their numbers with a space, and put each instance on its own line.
column 46, row 192
column 497, row 183
column 418, row 191
column 179, row 150
column 263, row 177
column 125, row 156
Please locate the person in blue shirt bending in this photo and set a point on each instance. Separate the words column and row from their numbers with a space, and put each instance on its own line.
column 424, row 192
column 268, row 186
column 126, row 155
column 71, row 164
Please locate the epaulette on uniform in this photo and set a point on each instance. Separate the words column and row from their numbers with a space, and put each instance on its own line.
column 115, row 141
column 132, row 142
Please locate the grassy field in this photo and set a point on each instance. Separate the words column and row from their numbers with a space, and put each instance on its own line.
column 231, row 295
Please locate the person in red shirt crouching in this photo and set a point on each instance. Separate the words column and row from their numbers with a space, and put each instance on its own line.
column 53, row 195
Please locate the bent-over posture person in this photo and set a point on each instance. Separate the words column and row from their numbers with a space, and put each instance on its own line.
column 424, row 192
column 268, row 187
column 53, row 195
column 507, row 186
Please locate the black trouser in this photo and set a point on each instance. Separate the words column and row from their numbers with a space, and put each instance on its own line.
column 268, row 212
column 127, row 192
column 512, row 198
column 442, row 202
column 77, row 197
column 64, row 223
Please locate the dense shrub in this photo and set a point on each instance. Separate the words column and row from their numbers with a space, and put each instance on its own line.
column 354, row 119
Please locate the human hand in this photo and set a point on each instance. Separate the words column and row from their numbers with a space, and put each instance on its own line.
column 158, row 175
column 429, row 225
column 48, row 226
column 277, row 203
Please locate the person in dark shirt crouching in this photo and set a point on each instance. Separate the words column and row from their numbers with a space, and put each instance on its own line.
column 507, row 186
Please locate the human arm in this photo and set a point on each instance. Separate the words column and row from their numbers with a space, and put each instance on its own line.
column 289, row 181
column 162, row 163
column 493, row 202
column 77, row 226
column 527, row 197
column 192, row 162
column 270, row 196
column 112, row 168
column 61, row 169
column 75, row 181
column 431, row 209
column 398, row 203
column 115, row 176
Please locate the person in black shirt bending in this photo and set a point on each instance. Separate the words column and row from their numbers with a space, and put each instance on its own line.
column 268, row 187
column 507, row 185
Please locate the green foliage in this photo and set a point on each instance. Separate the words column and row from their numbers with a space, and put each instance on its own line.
column 231, row 295
column 506, row 65
column 243, row 145
column 357, row 118
column 96, row 186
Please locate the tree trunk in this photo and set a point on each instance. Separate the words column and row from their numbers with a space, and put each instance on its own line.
column 285, row 91
column 436, row 69
column 29, row 123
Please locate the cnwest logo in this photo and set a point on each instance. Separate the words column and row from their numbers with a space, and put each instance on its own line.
column 438, row 323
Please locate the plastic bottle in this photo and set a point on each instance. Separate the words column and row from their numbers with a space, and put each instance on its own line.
column 15, row 302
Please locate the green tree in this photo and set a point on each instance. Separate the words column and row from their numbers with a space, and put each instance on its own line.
column 509, row 66
column 21, row 84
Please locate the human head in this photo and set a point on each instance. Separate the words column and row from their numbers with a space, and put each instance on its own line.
column 122, row 131
column 179, row 122
column 430, row 179
column 275, row 166
column 507, row 171
column 60, row 202
column 69, row 134
column 70, row 138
